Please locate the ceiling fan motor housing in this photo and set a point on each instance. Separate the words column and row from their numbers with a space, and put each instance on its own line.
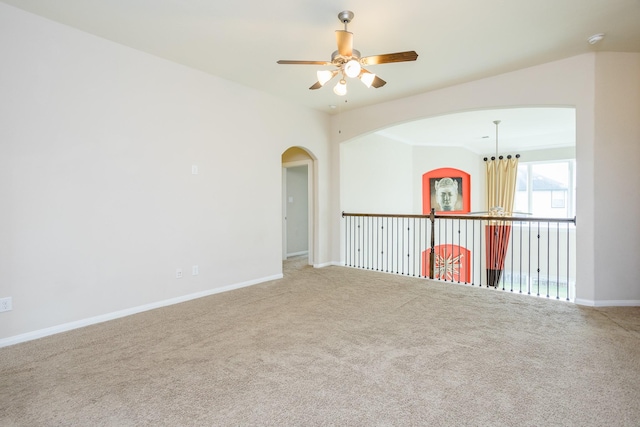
column 345, row 16
column 338, row 59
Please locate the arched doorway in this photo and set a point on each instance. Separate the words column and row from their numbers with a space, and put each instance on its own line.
column 298, row 204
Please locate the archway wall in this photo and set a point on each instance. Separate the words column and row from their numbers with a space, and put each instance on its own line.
column 300, row 180
column 571, row 82
column 296, row 154
column 316, row 148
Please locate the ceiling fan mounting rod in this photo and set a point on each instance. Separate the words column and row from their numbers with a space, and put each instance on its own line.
column 345, row 17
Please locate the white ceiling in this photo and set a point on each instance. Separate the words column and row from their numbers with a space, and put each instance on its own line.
column 456, row 40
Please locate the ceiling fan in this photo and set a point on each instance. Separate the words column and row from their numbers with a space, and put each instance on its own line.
column 349, row 63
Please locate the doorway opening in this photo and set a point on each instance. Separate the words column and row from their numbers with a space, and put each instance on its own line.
column 297, row 204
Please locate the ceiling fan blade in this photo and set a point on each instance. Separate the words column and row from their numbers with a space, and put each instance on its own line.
column 390, row 57
column 378, row 82
column 344, row 39
column 315, row 86
column 284, row 61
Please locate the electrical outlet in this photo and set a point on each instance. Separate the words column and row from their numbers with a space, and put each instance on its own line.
column 6, row 304
column 178, row 273
column 194, row 270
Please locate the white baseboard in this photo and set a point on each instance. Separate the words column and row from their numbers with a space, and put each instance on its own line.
column 127, row 312
column 298, row 253
column 608, row 303
column 328, row 264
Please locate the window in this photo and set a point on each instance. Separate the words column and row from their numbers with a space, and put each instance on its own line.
column 546, row 189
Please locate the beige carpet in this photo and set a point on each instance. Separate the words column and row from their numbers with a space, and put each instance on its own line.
column 336, row 347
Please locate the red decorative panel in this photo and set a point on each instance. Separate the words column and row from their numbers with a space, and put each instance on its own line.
column 451, row 262
column 447, row 190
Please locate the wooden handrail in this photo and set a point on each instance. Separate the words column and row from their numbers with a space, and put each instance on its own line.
column 465, row 217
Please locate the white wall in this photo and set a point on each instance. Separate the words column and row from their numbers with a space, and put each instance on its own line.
column 547, row 154
column 429, row 158
column 570, row 82
column 99, row 205
column 381, row 175
column 617, row 165
column 376, row 176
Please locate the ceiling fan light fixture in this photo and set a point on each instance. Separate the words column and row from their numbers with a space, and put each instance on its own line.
column 325, row 75
column 367, row 78
column 348, row 62
column 352, row 68
column 341, row 88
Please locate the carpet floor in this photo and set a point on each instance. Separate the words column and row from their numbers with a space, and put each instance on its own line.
column 338, row 347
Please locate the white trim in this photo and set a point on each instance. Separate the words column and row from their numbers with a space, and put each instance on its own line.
column 127, row 312
column 298, row 253
column 328, row 264
column 284, row 213
column 609, row 303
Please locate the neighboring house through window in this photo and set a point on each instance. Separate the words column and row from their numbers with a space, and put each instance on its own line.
column 546, row 189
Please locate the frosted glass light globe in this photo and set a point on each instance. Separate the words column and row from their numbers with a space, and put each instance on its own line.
column 324, row 76
column 352, row 68
column 341, row 88
column 367, row 79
